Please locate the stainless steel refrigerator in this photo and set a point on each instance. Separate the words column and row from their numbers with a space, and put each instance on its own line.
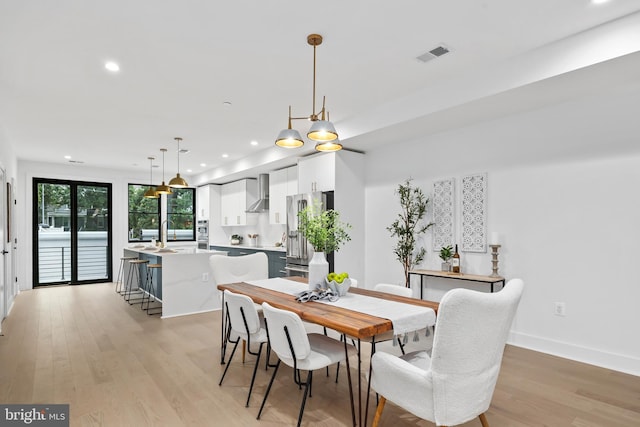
column 299, row 251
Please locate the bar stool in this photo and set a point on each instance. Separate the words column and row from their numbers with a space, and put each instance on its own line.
column 151, row 289
column 135, row 265
column 121, row 272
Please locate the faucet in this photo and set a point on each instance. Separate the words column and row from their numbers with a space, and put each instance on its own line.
column 163, row 234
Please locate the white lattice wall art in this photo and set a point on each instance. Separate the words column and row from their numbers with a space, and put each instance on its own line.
column 443, row 213
column 474, row 213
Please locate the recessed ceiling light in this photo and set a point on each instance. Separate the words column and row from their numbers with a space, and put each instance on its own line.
column 67, row 157
column 254, row 143
column 225, row 155
column 203, row 164
column 599, row 1
column 112, row 66
column 189, row 170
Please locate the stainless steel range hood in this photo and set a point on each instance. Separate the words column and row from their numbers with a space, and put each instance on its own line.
column 262, row 204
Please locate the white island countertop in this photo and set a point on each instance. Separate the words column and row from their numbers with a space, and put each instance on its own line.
column 172, row 250
column 186, row 282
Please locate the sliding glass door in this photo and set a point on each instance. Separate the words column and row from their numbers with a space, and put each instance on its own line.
column 72, row 232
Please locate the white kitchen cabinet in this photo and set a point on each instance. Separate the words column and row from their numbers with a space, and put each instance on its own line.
column 282, row 183
column 317, row 173
column 202, row 202
column 235, row 197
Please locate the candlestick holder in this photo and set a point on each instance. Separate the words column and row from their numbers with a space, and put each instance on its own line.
column 494, row 260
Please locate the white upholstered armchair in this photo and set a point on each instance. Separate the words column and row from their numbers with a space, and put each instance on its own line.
column 456, row 383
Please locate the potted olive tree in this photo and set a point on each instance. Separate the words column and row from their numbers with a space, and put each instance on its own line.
column 326, row 233
column 408, row 226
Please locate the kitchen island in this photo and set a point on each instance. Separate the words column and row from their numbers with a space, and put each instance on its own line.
column 184, row 283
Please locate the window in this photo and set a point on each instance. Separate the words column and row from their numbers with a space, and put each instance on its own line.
column 144, row 215
column 181, row 209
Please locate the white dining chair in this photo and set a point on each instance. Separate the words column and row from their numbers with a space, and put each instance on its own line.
column 233, row 269
column 303, row 351
column 244, row 325
column 456, row 383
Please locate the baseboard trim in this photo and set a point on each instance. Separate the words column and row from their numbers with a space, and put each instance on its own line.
column 617, row 362
column 189, row 313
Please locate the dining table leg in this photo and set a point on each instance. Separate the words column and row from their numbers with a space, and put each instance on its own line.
column 353, row 412
column 366, row 410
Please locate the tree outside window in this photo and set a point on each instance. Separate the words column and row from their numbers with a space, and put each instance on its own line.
column 144, row 215
column 181, row 209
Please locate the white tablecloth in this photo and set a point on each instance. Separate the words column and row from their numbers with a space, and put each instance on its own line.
column 405, row 317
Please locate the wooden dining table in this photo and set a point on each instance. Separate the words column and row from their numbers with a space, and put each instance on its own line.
column 361, row 326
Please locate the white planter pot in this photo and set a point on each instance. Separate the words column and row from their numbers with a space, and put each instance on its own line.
column 318, row 270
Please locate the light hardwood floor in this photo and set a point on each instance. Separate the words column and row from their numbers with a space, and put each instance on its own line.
column 116, row 366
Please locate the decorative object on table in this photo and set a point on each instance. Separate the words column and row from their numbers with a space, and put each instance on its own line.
column 474, row 213
column 455, row 262
column 253, row 239
column 326, row 233
column 236, row 239
column 338, row 282
column 409, row 226
column 316, row 294
column 443, row 213
column 446, row 253
column 494, row 260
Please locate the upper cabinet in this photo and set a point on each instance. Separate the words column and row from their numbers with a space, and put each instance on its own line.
column 282, row 183
column 202, row 202
column 317, row 173
column 235, row 197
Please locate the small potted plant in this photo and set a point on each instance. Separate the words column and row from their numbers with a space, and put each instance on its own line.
column 446, row 252
column 326, row 233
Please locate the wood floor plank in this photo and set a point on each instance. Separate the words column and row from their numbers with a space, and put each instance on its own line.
column 117, row 366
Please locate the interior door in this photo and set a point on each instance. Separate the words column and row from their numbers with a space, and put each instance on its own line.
column 72, row 232
column 4, row 247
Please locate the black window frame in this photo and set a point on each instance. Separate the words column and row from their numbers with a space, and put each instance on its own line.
column 133, row 231
column 188, row 217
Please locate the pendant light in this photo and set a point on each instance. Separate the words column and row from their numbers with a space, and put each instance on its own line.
column 328, row 145
column 163, row 189
column 178, row 181
column 322, row 130
column 289, row 138
column 151, row 193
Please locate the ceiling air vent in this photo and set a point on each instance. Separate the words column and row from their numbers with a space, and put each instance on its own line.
column 433, row 53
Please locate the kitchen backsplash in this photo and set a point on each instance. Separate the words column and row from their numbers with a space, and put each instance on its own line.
column 268, row 234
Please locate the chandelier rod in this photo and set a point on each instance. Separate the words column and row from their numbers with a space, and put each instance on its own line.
column 313, row 109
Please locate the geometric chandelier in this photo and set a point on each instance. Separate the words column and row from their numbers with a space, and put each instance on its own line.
column 322, row 130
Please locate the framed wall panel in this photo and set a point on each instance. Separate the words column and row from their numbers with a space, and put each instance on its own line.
column 474, row 213
column 443, row 213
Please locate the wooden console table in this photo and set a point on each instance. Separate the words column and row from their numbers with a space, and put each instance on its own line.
column 456, row 276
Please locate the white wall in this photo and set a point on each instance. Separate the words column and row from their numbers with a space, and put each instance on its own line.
column 563, row 193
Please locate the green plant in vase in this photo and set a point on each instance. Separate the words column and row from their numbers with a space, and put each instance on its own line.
column 446, row 253
column 324, row 230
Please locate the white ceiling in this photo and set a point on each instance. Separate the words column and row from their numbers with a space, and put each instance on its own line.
column 180, row 61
